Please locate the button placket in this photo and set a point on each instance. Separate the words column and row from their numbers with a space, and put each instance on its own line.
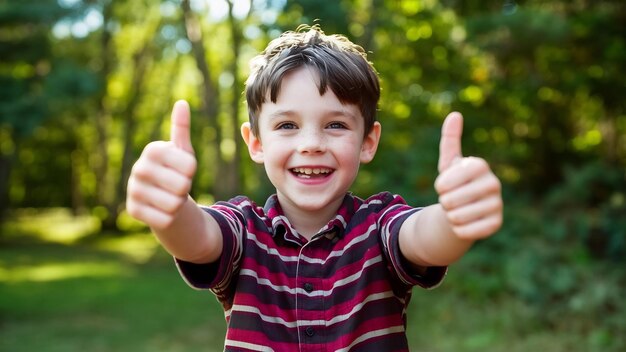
column 309, row 300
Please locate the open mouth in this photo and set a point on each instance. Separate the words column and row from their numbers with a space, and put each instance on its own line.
column 306, row 172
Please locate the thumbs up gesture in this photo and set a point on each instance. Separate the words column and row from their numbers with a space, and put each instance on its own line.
column 161, row 178
column 469, row 192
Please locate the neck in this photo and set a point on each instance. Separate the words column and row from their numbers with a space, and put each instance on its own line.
column 309, row 222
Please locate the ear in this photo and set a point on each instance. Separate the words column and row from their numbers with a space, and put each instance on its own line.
column 255, row 148
column 370, row 143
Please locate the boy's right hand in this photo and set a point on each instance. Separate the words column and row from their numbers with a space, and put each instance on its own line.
column 161, row 179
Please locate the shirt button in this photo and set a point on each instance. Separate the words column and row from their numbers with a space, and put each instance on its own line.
column 308, row 287
column 309, row 331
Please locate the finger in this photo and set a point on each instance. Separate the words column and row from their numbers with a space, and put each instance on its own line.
column 155, row 197
column 154, row 218
column 479, row 229
column 479, row 188
column 163, row 177
column 475, row 211
column 180, row 133
column 464, row 170
column 180, row 162
column 450, row 143
column 162, row 154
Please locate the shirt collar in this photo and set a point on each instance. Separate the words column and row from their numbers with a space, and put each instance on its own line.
column 282, row 227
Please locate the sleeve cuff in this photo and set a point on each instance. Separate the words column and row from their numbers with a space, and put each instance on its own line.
column 430, row 279
column 198, row 276
column 210, row 275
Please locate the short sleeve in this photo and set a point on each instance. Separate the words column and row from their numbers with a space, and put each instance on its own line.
column 391, row 222
column 218, row 276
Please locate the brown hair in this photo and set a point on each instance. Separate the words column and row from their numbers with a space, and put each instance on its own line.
column 342, row 66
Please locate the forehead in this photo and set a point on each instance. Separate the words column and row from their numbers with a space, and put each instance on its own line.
column 299, row 94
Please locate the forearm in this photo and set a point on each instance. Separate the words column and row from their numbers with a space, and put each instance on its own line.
column 427, row 239
column 193, row 235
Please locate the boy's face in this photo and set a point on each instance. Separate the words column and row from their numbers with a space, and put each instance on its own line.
column 311, row 145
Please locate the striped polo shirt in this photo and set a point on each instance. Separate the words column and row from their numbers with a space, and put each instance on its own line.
column 347, row 289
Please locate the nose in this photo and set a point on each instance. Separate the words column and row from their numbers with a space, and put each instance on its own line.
column 311, row 142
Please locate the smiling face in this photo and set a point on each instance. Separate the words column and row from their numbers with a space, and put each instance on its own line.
column 311, row 145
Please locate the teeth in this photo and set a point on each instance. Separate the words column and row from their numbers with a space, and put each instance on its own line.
column 310, row 171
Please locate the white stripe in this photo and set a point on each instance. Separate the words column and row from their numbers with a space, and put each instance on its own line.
column 337, row 253
column 247, row 345
column 332, row 254
column 276, row 320
column 236, row 229
column 239, row 207
column 266, row 318
column 227, row 313
column 316, row 293
column 271, row 251
column 296, row 323
column 340, row 252
column 267, row 282
column 386, row 240
column 353, row 277
column 282, row 218
column 338, row 217
column 372, row 202
column 358, row 307
column 343, row 220
column 372, row 334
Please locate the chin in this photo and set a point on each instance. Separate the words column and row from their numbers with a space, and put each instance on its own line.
column 316, row 204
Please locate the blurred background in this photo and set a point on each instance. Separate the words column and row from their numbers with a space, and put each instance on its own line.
column 86, row 84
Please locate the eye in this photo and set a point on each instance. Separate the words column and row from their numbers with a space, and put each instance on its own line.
column 286, row 126
column 337, row 125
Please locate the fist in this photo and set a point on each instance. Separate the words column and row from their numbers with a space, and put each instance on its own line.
column 161, row 178
column 469, row 192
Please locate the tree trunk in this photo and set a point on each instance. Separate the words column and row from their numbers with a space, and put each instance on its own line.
column 367, row 39
column 140, row 63
column 610, row 130
column 101, row 167
column 165, row 107
column 233, row 186
column 6, row 164
column 78, row 200
column 209, row 95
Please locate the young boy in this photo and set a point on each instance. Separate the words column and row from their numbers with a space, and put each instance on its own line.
column 316, row 268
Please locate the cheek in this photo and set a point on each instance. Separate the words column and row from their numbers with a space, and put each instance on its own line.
column 349, row 147
column 349, row 153
column 276, row 152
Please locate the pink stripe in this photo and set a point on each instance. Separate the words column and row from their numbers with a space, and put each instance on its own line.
column 257, row 338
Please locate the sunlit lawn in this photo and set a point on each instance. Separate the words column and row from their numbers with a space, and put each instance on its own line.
column 63, row 291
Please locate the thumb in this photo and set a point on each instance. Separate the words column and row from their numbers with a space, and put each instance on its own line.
column 180, row 126
column 450, row 144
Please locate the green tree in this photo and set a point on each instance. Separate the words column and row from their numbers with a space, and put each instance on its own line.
column 34, row 84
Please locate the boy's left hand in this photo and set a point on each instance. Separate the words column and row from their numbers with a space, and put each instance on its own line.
column 469, row 192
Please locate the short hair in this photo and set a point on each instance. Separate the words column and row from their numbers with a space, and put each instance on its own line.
column 342, row 66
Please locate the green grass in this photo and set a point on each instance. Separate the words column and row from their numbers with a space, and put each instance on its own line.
column 79, row 290
column 99, row 294
column 134, row 307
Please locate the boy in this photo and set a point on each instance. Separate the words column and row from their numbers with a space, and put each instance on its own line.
column 316, row 268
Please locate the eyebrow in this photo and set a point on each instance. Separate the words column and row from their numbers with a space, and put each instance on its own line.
column 281, row 113
column 288, row 112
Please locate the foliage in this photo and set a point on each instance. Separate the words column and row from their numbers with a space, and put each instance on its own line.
column 563, row 260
